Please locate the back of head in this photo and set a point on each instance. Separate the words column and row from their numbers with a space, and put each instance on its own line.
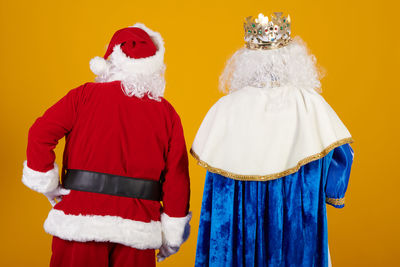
column 135, row 56
column 271, row 58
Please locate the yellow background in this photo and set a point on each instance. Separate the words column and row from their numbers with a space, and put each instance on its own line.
column 45, row 50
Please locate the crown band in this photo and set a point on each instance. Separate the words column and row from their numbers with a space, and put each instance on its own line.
column 267, row 46
column 261, row 33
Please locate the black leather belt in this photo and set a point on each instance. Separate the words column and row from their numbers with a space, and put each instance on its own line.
column 104, row 183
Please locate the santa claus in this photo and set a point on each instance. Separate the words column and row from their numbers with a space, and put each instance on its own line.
column 124, row 155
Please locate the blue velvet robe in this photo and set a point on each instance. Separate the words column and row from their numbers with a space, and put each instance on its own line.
column 280, row 222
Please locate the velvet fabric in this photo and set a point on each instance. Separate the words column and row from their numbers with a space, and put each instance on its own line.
column 135, row 43
column 279, row 222
column 67, row 253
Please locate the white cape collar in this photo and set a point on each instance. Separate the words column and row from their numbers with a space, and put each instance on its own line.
column 263, row 134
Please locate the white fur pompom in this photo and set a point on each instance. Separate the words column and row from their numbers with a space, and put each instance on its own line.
column 98, row 65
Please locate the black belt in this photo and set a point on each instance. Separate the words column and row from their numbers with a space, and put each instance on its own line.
column 104, row 183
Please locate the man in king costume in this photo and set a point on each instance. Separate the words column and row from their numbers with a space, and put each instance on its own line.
column 275, row 153
column 124, row 153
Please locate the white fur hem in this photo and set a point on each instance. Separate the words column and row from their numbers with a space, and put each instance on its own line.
column 83, row 228
column 117, row 58
column 176, row 230
column 41, row 182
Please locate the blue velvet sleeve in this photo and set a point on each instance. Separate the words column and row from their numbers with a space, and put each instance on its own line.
column 338, row 175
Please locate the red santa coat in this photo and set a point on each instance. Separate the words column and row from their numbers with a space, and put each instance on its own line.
column 109, row 132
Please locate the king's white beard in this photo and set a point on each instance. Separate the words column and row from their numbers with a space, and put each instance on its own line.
column 290, row 65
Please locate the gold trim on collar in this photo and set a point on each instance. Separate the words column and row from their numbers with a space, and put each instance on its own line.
column 335, row 201
column 273, row 176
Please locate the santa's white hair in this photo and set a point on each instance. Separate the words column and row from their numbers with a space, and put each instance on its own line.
column 135, row 84
column 290, row 65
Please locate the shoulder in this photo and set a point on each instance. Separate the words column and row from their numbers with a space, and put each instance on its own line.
column 89, row 90
column 169, row 108
column 236, row 99
column 89, row 86
column 81, row 89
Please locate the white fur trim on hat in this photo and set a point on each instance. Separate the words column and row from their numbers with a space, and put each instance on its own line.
column 83, row 228
column 118, row 59
column 175, row 230
column 41, row 182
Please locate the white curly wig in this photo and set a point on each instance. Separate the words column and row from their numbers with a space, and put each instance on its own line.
column 289, row 65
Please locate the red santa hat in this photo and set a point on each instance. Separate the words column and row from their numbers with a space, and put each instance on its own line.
column 135, row 49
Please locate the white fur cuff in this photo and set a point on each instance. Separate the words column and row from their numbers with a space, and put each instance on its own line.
column 41, row 182
column 175, row 230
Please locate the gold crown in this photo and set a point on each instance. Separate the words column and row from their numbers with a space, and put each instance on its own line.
column 261, row 33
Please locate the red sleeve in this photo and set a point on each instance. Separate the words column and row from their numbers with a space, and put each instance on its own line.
column 44, row 134
column 176, row 186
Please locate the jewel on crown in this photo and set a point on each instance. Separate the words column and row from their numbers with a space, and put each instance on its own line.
column 264, row 33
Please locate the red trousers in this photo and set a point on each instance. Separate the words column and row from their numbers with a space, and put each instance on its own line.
column 98, row 254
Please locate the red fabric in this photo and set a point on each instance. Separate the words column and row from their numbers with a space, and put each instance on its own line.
column 135, row 43
column 98, row 254
column 107, row 131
